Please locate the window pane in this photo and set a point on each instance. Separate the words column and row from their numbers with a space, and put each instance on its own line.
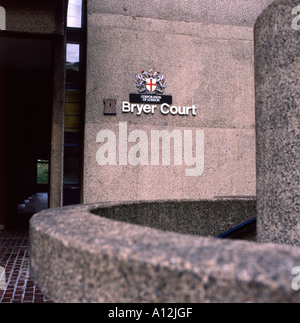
column 72, row 96
column 71, row 167
column 72, row 65
column 73, row 51
column 74, row 14
column 72, row 123
column 72, row 109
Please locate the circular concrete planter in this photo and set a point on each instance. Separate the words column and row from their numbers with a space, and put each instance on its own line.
column 78, row 256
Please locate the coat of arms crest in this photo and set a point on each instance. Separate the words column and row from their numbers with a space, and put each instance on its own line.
column 151, row 82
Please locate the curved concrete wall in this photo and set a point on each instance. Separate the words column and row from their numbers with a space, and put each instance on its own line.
column 80, row 257
column 277, row 66
column 203, row 218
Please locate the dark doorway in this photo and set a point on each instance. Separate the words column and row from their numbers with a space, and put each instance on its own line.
column 26, row 118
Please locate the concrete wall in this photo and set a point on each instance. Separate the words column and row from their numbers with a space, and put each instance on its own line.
column 34, row 16
column 205, row 50
column 277, row 68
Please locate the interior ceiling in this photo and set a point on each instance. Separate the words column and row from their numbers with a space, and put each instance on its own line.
column 25, row 53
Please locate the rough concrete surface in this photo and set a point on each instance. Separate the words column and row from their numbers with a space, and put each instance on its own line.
column 77, row 256
column 208, row 65
column 277, row 65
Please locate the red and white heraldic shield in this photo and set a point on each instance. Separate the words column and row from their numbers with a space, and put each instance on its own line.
column 151, row 84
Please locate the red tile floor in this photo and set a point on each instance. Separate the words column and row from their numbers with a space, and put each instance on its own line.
column 14, row 258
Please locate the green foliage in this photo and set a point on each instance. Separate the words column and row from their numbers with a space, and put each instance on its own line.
column 42, row 173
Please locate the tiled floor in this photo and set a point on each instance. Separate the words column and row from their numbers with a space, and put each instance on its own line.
column 18, row 287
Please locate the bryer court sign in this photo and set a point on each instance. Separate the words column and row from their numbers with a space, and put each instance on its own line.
column 154, row 148
column 151, row 86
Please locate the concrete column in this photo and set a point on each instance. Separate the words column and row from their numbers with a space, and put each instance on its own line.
column 277, row 66
column 57, row 142
column 58, row 110
column 2, row 152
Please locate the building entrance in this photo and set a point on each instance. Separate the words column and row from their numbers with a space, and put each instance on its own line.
column 26, row 118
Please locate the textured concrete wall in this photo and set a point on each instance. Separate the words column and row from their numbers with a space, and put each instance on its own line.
column 277, row 68
column 223, row 12
column 202, row 218
column 34, row 16
column 206, row 55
